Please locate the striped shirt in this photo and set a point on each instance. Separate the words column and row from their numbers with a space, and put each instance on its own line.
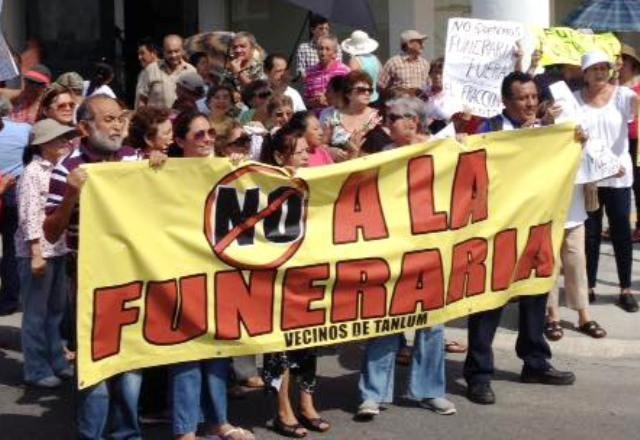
column 58, row 183
column 318, row 78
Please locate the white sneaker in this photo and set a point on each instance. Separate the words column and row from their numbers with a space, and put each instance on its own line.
column 47, row 382
column 368, row 410
column 439, row 405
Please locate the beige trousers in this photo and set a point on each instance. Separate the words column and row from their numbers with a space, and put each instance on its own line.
column 574, row 265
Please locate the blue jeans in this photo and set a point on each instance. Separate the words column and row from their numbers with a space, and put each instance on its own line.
column 118, row 395
column 44, row 299
column 199, row 388
column 427, row 377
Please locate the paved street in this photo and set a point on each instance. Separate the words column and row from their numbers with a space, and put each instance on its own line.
column 603, row 404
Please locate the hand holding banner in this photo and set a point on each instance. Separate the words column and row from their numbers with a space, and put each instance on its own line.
column 205, row 260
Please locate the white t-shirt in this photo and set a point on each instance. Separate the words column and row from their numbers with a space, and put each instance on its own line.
column 298, row 103
column 609, row 124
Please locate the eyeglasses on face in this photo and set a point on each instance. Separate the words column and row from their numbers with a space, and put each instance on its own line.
column 243, row 140
column 264, row 94
column 201, row 134
column 65, row 106
column 393, row 117
column 363, row 90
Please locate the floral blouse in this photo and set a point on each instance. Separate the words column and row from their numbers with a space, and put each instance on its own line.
column 33, row 188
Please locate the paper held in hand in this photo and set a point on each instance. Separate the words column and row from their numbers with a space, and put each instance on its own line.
column 563, row 97
column 598, row 161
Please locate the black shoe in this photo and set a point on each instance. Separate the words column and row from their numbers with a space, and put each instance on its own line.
column 9, row 309
column 628, row 303
column 592, row 297
column 548, row 377
column 481, row 393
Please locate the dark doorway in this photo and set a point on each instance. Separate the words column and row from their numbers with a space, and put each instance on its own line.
column 73, row 33
column 155, row 19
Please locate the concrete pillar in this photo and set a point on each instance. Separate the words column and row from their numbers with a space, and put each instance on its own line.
column 526, row 11
column 411, row 14
column 212, row 15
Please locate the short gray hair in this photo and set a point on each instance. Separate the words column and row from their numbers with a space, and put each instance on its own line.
column 86, row 111
column 331, row 38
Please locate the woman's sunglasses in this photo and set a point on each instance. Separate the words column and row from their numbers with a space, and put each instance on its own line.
column 200, row 134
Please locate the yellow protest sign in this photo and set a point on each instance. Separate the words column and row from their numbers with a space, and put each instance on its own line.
column 562, row 45
column 200, row 259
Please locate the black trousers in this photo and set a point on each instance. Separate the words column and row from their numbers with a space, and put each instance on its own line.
column 531, row 345
column 616, row 202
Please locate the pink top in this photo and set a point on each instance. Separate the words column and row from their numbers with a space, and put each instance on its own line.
column 33, row 187
column 320, row 156
column 318, row 78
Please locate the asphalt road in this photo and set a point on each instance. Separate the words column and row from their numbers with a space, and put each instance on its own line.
column 603, row 404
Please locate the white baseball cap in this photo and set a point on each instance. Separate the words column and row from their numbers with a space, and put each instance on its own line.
column 594, row 57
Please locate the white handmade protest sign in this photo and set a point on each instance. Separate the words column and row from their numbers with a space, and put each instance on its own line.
column 598, row 162
column 478, row 55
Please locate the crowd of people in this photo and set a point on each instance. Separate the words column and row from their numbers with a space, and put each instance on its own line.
column 351, row 105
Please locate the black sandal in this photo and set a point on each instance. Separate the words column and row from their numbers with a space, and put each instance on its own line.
column 293, row 431
column 593, row 329
column 314, row 424
column 553, row 331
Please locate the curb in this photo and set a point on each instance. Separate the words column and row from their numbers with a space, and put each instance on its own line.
column 578, row 346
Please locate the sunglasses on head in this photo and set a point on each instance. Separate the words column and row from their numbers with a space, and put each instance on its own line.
column 363, row 90
column 264, row 94
column 200, row 134
column 393, row 117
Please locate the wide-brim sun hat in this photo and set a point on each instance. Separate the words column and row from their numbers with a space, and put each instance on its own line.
column 48, row 129
column 360, row 43
column 592, row 58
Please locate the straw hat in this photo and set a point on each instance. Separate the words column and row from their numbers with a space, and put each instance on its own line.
column 47, row 130
column 630, row 52
column 359, row 44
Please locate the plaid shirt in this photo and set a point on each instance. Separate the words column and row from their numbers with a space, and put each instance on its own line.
column 400, row 71
column 307, row 56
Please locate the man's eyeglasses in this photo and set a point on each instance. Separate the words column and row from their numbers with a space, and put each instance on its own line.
column 393, row 117
column 200, row 134
column 363, row 90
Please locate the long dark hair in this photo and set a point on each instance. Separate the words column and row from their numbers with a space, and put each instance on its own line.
column 102, row 74
column 283, row 142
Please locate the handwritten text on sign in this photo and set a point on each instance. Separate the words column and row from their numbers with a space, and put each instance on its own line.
column 479, row 54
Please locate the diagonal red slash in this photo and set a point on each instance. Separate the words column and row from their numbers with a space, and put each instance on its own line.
column 220, row 247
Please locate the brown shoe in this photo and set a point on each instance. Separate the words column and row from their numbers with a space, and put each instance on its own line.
column 593, row 329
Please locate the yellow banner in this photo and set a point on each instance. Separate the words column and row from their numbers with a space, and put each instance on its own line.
column 200, row 259
column 562, row 45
